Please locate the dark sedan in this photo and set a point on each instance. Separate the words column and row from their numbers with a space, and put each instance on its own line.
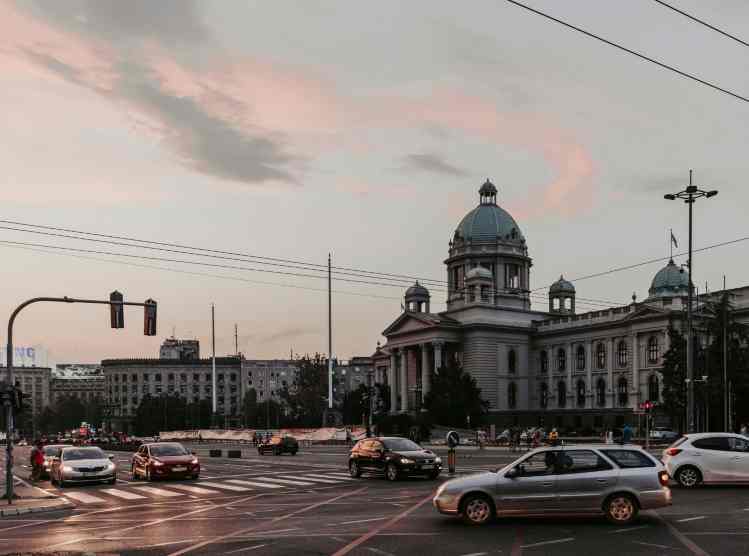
column 161, row 460
column 395, row 457
column 279, row 445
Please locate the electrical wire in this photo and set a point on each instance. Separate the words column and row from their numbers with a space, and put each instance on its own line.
column 702, row 22
column 629, row 50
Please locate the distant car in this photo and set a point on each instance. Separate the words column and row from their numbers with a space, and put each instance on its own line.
column 23, row 442
column 51, row 451
column 664, row 434
column 708, row 457
column 82, row 465
column 616, row 481
column 162, row 460
column 278, row 445
column 395, row 457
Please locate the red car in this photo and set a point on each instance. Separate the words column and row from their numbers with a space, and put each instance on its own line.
column 162, row 460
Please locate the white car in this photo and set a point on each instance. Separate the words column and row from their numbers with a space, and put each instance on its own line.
column 664, row 434
column 82, row 464
column 708, row 457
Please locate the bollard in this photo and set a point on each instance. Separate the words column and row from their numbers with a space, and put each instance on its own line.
column 452, row 440
column 451, row 461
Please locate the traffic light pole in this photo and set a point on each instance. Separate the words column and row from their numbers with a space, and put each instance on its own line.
column 9, row 426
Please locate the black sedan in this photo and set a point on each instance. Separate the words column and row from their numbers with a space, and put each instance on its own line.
column 279, row 445
column 395, row 457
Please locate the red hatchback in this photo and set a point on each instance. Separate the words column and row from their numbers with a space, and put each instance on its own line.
column 161, row 460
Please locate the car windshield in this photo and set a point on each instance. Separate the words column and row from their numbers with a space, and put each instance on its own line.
column 401, row 445
column 82, row 453
column 168, row 450
column 52, row 451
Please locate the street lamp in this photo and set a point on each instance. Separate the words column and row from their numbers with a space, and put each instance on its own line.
column 690, row 195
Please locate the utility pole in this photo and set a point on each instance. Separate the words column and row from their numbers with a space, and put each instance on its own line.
column 236, row 340
column 330, row 338
column 213, row 363
column 726, row 412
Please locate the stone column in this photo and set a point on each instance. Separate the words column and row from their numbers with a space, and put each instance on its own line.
column 611, row 391
column 550, row 362
column 635, row 397
column 437, row 356
column 590, row 403
column 404, row 379
column 426, row 374
column 571, row 362
column 392, row 381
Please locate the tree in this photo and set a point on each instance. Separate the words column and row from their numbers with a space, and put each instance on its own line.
column 306, row 398
column 47, row 421
column 199, row 414
column 250, row 407
column 455, row 397
column 162, row 413
column 356, row 405
column 673, row 390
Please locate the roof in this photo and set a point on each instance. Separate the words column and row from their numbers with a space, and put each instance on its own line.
column 670, row 281
column 417, row 290
column 562, row 285
column 488, row 222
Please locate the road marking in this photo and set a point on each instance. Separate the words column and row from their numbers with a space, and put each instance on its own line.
column 544, row 543
column 337, row 478
column 253, row 483
column 317, row 480
column 364, row 538
column 273, row 520
column 378, row 551
column 689, row 544
column 628, row 529
column 122, row 494
column 361, row 521
column 194, row 489
column 691, row 518
column 476, row 554
column 344, row 475
column 286, row 481
column 225, row 487
column 246, row 549
column 85, row 498
column 653, row 545
column 159, row 492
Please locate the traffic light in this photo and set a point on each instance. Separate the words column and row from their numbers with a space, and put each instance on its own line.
column 6, row 395
column 149, row 318
column 20, row 403
column 116, row 310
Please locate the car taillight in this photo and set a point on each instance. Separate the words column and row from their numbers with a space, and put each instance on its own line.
column 673, row 451
column 663, row 478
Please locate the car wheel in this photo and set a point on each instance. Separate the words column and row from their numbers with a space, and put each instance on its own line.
column 621, row 509
column 112, row 481
column 195, row 477
column 688, row 476
column 477, row 509
column 354, row 470
column 391, row 472
column 133, row 473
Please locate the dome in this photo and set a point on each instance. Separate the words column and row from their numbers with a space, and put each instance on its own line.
column 488, row 221
column 670, row 281
column 562, row 286
column 417, row 290
column 479, row 272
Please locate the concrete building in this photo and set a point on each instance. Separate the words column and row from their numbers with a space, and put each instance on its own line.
column 172, row 348
column 268, row 376
column 82, row 381
column 554, row 365
column 34, row 381
column 351, row 374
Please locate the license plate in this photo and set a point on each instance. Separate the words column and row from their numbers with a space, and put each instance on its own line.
column 89, row 474
column 427, row 466
column 179, row 468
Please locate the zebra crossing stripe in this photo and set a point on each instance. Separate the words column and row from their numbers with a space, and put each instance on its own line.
column 194, row 489
column 122, row 494
column 332, row 477
column 158, row 491
column 342, row 475
column 85, row 498
column 254, row 483
column 316, row 479
column 286, row 481
column 225, row 487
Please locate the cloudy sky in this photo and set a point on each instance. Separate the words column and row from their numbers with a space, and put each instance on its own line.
column 294, row 129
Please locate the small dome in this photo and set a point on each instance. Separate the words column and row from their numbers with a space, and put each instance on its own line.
column 562, row 286
column 670, row 281
column 487, row 189
column 479, row 272
column 417, row 290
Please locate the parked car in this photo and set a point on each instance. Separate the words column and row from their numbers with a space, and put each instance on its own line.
column 664, row 434
column 82, row 465
column 708, row 457
column 51, row 451
column 395, row 457
column 162, row 460
column 279, row 445
column 616, row 481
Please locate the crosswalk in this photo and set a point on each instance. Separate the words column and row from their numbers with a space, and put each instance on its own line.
column 173, row 490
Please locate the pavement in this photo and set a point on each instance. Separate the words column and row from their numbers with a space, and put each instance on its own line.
column 307, row 504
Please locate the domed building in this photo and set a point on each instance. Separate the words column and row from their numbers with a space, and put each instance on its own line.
column 552, row 366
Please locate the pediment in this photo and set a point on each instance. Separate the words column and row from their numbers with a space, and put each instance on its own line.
column 645, row 310
column 414, row 322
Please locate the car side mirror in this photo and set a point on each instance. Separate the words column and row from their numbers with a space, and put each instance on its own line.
column 111, row 457
column 514, row 473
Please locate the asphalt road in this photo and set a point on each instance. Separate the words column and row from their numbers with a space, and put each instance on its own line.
column 307, row 504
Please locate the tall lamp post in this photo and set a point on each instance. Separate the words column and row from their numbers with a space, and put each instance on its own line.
column 690, row 195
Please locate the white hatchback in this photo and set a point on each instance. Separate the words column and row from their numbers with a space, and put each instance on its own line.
column 708, row 457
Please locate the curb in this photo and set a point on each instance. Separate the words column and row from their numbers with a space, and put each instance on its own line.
column 62, row 505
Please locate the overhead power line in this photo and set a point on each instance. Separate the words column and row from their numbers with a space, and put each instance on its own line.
column 629, row 51
column 702, row 22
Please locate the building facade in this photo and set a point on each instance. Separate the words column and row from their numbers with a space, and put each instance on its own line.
column 172, row 348
column 34, row 381
column 268, row 377
column 82, row 381
column 350, row 375
column 551, row 366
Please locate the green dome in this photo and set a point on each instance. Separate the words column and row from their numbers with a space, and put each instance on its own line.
column 670, row 281
column 562, row 286
column 488, row 222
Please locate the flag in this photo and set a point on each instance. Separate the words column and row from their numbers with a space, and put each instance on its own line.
column 673, row 239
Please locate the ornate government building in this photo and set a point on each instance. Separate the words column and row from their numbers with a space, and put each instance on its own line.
column 554, row 366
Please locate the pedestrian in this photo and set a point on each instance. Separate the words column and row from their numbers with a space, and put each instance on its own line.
column 626, row 434
column 529, row 440
column 743, row 430
column 609, row 436
column 37, row 462
column 348, row 437
column 554, row 437
column 536, row 438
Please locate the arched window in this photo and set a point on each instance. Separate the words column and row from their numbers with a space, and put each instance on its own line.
column 544, row 361
column 561, row 394
column 561, row 359
column 512, row 395
column 622, row 354
column 601, row 355
column 580, row 393
column 580, row 358
column 544, row 395
column 653, row 349
column 621, row 390
column 653, row 388
column 511, row 361
column 601, row 393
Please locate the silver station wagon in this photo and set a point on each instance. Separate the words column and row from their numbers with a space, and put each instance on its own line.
column 615, row 480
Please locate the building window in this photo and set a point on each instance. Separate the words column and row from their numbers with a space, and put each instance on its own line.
column 512, row 395
column 544, row 395
column 196, row 377
column 511, row 361
column 653, row 350
column 183, row 377
column 145, row 377
column 601, row 393
column 653, row 388
column 622, row 393
column 233, row 377
column 561, row 359
column 124, row 378
column 561, row 394
column 601, row 355
column 622, row 354
column 170, row 377
column 512, row 276
column 157, row 376
column 580, row 393
column 544, row 361
column 580, row 358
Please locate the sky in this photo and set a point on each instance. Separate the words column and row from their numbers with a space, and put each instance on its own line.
column 296, row 129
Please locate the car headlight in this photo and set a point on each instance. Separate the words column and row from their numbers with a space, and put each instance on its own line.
column 110, row 466
column 438, row 460
column 157, row 463
column 407, row 461
column 194, row 461
column 67, row 469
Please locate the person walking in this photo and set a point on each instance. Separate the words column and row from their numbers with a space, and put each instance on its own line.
column 554, row 437
column 743, row 430
column 627, row 434
column 37, row 461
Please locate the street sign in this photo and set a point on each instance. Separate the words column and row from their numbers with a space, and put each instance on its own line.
column 452, row 439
